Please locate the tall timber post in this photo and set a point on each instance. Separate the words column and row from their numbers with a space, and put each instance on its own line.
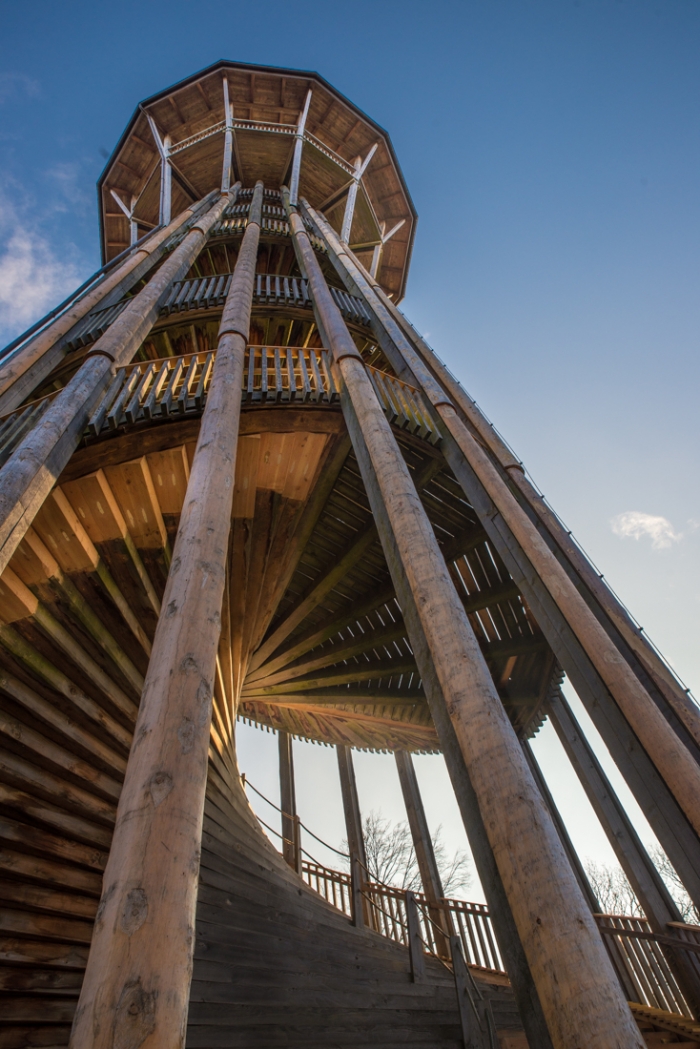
column 235, row 483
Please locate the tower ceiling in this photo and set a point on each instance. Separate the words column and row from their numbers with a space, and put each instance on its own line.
column 267, row 104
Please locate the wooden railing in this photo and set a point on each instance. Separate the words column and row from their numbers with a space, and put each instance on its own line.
column 333, row 885
column 273, row 375
column 641, row 958
column 179, row 386
column 201, row 293
column 387, row 913
column 639, row 955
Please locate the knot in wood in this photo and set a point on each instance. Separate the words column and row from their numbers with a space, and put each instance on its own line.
column 134, row 1017
column 160, row 785
column 135, row 911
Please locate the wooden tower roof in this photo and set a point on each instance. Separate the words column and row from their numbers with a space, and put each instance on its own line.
column 267, row 104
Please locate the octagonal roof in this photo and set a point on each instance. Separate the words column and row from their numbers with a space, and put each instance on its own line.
column 267, row 103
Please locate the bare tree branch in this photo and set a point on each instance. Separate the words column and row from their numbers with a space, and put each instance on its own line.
column 674, row 884
column 614, row 892
column 391, row 857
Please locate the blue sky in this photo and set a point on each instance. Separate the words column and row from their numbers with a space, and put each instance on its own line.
column 553, row 154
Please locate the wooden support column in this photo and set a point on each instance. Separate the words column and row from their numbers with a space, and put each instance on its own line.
column 228, row 140
column 576, row 865
column 31, row 471
column 298, row 149
column 288, row 801
column 137, row 981
column 576, row 983
column 423, row 845
column 379, row 248
column 499, row 907
column 23, row 370
column 658, row 796
column 351, row 806
column 166, row 171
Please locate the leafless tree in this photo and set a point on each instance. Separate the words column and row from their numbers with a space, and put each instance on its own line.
column 614, row 892
column 675, row 886
column 391, row 857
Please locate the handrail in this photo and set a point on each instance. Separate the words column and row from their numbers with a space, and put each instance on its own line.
column 291, row 816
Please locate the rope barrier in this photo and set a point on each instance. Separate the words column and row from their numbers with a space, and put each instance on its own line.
column 289, row 816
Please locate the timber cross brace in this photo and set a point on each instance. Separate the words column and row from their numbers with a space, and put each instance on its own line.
column 235, row 483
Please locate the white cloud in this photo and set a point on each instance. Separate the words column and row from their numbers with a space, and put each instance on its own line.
column 633, row 524
column 12, row 84
column 33, row 276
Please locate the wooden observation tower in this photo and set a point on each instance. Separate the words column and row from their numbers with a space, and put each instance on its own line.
column 236, row 483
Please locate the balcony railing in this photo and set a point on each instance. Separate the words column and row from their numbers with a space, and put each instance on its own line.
column 178, row 386
column 204, row 293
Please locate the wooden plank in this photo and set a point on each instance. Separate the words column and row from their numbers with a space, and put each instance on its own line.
column 45, row 752
column 170, row 472
column 19, row 772
column 56, row 679
column 246, row 477
column 25, row 866
column 134, row 491
column 67, row 540
column 93, row 499
column 37, row 897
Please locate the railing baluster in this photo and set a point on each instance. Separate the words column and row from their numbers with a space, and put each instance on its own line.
column 291, row 379
column 263, row 372
column 97, row 419
column 184, row 394
column 318, row 381
column 116, row 412
column 135, row 406
column 167, row 398
column 150, row 403
column 203, row 384
column 251, row 373
column 278, row 376
column 305, row 384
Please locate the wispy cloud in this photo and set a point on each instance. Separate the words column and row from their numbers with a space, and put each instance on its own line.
column 14, row 84
column 633, row 524
column 33, row 275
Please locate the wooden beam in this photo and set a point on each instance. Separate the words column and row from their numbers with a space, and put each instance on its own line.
column 288, row 802
column 151, row 878
column 298, row 148
column 343, row 696
column 351, row 806
column 499, row 906
column 367, row 672
column 423, row 847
